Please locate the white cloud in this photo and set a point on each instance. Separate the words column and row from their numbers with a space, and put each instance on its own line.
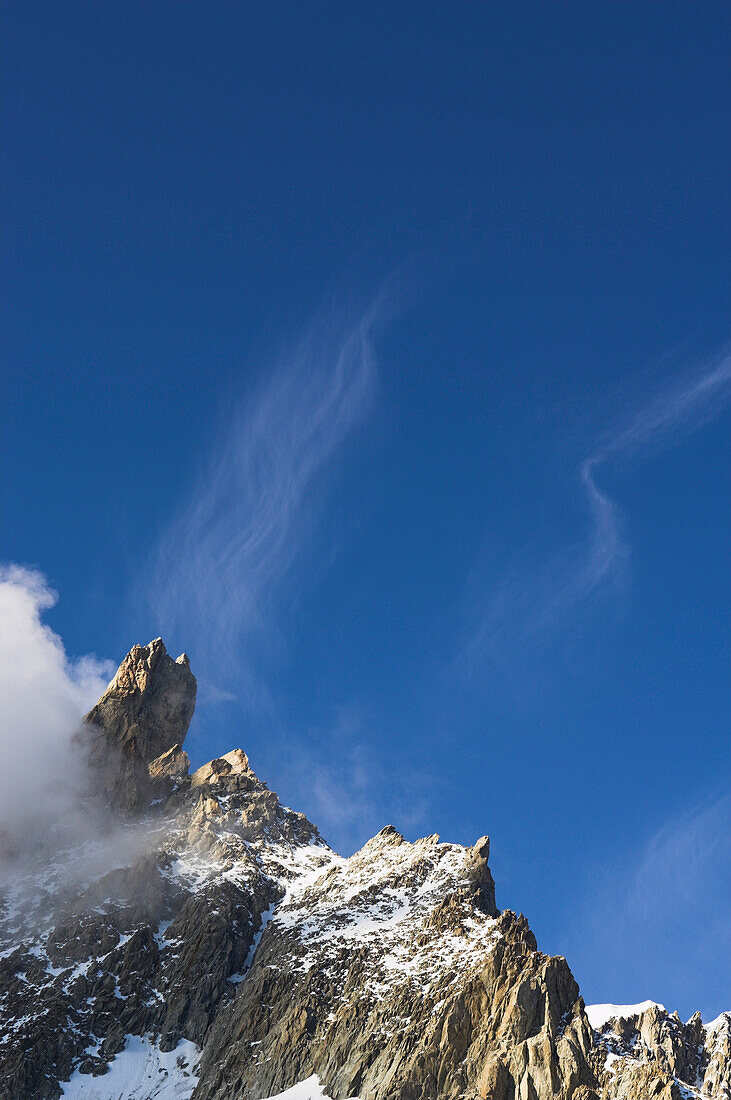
column 224, row 559
column 44, row 695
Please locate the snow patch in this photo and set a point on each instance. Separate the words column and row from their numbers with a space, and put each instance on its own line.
column 600, row 1015
column 311, row 1089
column 715, row 1025
column 265, row 918
column 141, row 1071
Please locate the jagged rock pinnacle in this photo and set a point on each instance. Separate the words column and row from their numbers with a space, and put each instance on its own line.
column 144, row 713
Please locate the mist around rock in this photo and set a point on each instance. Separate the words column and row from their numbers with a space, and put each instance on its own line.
column 43, row 778
column 55, row 818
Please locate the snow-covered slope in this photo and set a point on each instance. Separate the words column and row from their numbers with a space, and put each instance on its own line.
column 142, row 1071
column 311, row 1089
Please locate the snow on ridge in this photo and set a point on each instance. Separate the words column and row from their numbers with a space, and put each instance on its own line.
column 292, row 866
column 715, row 1025
column 381, row 898
column 600, row 1015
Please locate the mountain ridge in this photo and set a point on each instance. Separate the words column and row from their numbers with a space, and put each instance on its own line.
column 224, row 951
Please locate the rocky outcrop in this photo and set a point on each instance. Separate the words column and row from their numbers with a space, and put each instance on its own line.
column 166, row 775
column 647, row 1051
column 394, row 975
column 214, row 935
column 143, row 715
column 233, row 763
column 717, row 1057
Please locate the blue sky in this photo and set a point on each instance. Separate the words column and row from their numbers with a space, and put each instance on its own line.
column 378, row 356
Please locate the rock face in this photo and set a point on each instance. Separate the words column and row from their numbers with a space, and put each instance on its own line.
column 648, row 1051
column 143, row 715
column 213, row 946
column 394, row 975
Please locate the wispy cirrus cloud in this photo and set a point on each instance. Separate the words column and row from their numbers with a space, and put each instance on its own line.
column 537, row 597
column 666, row 900
column 348, row 786
column 223, row 561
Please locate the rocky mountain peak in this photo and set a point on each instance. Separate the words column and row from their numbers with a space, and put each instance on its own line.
column 214, row 947
column 142, row 716
column 149, row 702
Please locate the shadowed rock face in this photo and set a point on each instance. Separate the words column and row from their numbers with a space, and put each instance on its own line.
column 144, row 713
column 216, row 926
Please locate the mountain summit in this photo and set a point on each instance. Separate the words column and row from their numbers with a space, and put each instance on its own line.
column 136, row 729
column 210, row 945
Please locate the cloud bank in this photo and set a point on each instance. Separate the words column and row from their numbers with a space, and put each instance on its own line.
column 44, row 695
column 535, row 598
column 224, row 560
